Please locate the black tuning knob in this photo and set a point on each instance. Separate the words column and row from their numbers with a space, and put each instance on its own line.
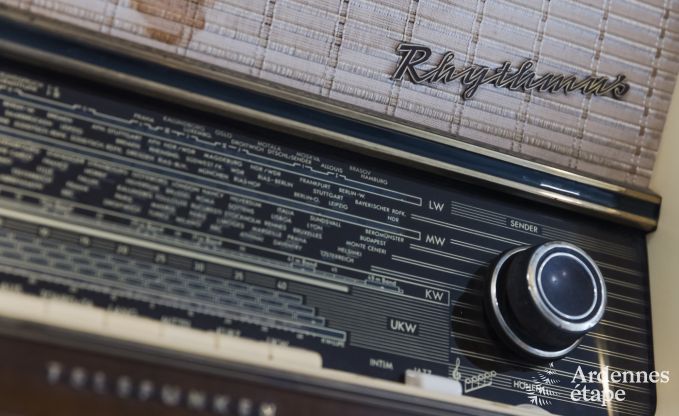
column 542, row 300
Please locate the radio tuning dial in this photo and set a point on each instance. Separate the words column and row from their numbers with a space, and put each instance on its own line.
column 542, row 300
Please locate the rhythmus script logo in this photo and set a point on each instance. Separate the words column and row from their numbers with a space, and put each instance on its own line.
column 522, row 78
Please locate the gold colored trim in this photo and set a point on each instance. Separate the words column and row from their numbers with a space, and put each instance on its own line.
column 212, row 105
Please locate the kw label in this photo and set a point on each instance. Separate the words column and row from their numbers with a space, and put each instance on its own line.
column 429, row 294
column 435, row 295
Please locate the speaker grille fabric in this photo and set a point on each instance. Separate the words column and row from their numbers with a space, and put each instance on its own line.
column 344, row 50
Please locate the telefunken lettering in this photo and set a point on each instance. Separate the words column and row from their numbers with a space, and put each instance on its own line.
column 522, row 78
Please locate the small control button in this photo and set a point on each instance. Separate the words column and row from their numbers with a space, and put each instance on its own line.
column 436, row 384
column 132, row 328
column 187, row 338
column 24, row 307
column 74, row 316
column 533, row 408
column 296, row 357
column 242, row 349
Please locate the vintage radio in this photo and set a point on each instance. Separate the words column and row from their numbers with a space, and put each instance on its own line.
column 333, row 207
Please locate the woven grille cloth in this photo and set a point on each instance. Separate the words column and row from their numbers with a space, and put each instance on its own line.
column 345, row 50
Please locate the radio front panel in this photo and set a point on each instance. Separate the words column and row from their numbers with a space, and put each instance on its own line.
column 149, row 208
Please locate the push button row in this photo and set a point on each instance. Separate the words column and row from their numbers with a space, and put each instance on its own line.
column 89, row 319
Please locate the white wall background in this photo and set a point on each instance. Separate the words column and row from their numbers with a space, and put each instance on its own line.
column 664, row 264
